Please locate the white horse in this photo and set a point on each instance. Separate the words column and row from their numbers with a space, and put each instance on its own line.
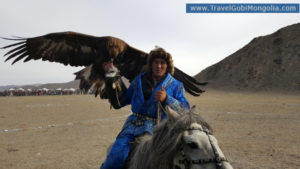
column 184, row 141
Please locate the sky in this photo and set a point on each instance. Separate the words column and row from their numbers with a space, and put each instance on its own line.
column 195, row 40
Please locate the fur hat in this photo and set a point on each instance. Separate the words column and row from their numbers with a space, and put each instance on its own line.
column 159, row 52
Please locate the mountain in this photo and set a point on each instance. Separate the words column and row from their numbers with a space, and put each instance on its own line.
column 267, row 63
column 8, row 87
column 72, row 84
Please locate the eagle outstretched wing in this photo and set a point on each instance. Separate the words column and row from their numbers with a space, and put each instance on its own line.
column 76, row 49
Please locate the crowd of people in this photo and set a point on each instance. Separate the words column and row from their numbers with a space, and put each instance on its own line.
column 39, row 92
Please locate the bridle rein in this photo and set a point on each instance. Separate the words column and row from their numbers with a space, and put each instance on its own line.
column 217, row 159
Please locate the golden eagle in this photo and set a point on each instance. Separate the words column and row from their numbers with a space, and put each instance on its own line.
column 76, row 49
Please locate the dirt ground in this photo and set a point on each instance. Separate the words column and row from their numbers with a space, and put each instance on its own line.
column 255, row 131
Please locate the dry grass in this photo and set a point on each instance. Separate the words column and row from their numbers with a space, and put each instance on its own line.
column 62, row 132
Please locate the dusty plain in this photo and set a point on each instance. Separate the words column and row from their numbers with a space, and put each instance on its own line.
column 255, row 131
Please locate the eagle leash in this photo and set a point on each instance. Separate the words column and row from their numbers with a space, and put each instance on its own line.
column 159, row 106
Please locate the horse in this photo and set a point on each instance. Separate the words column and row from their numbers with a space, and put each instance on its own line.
column 183, row 141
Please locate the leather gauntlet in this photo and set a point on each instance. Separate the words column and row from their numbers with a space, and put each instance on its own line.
column 115, row 89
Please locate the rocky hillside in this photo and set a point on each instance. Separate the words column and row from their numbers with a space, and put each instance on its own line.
column 267, row 63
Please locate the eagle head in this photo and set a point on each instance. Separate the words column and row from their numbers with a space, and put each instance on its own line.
column 115, row 47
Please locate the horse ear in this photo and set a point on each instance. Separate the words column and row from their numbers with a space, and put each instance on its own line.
column 172, row 115
column 193, row 109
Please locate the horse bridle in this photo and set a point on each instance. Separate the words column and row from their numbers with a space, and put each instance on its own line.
column 217, row 160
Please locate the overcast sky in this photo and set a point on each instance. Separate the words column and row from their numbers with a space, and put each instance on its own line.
column 195, row 41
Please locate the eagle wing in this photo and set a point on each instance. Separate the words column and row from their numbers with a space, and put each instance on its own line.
column 191, row 85
column 76, row 49
column 68, row 48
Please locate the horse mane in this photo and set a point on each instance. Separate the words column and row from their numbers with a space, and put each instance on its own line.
column 159, row 150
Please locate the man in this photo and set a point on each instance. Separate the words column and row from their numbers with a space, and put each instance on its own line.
column 145, row 93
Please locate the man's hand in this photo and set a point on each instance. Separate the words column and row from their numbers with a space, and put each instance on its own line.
column 161, row 95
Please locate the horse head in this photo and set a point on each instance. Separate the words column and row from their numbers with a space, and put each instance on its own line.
column 183, row 141
column 198, row 148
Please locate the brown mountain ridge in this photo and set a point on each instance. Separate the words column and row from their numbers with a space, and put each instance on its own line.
column 267, row 63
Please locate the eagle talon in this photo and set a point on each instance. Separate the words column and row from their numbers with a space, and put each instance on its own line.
column 112, row 72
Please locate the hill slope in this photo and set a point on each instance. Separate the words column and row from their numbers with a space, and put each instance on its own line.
column 267, row 63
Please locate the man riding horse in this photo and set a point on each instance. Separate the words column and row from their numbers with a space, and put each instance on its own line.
column 145, row 93
column 106, row 60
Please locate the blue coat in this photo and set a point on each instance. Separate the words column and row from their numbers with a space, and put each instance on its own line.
column 117, row 156
column 134, row 96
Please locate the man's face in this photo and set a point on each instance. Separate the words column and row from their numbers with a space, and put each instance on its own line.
column 159, row 67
